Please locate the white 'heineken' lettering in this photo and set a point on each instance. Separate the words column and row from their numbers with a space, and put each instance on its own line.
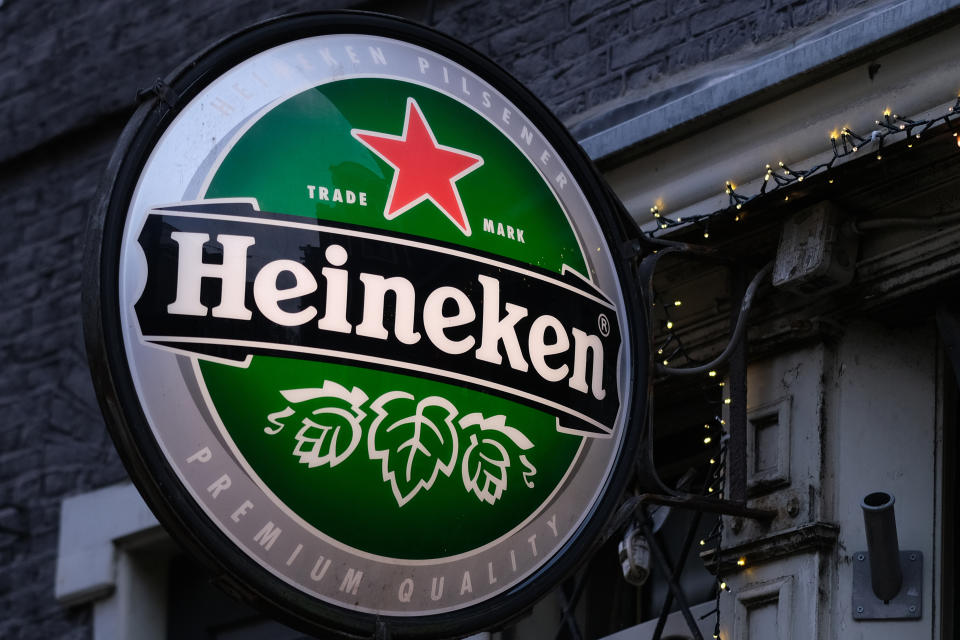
column 267, row 295
column 497, row 329
column 436, row 322
column 231, row 272
column 545, row 341
column 375, row 290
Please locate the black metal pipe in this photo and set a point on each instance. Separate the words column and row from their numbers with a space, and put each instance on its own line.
column 880, row 524
column 657, row 552
column 737, row 374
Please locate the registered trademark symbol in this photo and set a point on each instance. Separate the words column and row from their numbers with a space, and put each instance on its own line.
column 604, row 325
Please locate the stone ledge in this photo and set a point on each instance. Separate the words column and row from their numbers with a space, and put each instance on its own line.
column 817, row 536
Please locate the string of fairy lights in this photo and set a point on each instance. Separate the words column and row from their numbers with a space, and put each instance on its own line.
column 844, row 143
column 714, row 438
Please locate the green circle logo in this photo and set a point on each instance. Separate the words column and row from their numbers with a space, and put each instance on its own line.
column 375, row 327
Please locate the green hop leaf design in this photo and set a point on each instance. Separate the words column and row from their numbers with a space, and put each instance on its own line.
column 486, row 460
column 415, row 441
column 329, row 419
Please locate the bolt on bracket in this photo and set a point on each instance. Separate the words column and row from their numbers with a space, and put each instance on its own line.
column 906, row 605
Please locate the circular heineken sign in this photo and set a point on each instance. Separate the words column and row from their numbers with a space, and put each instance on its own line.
column 358, row 319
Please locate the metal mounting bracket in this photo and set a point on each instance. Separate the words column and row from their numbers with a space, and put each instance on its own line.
column 906, row 605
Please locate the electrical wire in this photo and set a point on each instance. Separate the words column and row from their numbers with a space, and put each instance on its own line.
column 738, row 331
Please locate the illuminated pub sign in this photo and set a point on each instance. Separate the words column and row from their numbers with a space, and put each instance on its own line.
column 359, row 322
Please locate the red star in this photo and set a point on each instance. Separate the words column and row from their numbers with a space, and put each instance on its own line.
column 423, row 169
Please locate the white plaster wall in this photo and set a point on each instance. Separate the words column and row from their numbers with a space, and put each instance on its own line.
column 881, row 434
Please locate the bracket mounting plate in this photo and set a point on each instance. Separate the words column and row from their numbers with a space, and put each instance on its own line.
column 907, row 605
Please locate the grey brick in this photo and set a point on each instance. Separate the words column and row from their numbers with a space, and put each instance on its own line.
column 608, row 28
column 573, row 46
column 582, row 9
column 604, row 92
column 532, row 65
column 630, row 50
column 687, row 55
column 581, row 72
column 730, row 38
column 642, row 76
column 806, row 13
column 713, row 17
column 571, row 106
column 539, row 29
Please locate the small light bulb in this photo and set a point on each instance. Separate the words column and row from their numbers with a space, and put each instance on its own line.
column 703, row 542
column 723, row 585
column 712, row 374
column 677, row 303
column 830, row 180
column 726, row 401
column 713, row 461
column 669, row 324
column 741, row 561
column 722, row 383
column 660, row 352
column 706, row 426
column 785, row 198
column 707, row 440
column 799, row 178
column 855, row 149
column 886, row 112
column 710, row 490
column 666, row 362
column 706, row 234
column 879, row 157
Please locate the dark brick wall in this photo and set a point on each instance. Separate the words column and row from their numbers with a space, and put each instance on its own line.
column 69, row 72
column 52, row 439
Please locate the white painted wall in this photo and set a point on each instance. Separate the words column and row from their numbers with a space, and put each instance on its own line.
column 882, row 428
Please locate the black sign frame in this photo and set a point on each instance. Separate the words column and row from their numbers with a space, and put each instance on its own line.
column 233, row 570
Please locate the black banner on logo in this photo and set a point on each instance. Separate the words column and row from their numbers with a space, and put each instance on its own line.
column 225, row 280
